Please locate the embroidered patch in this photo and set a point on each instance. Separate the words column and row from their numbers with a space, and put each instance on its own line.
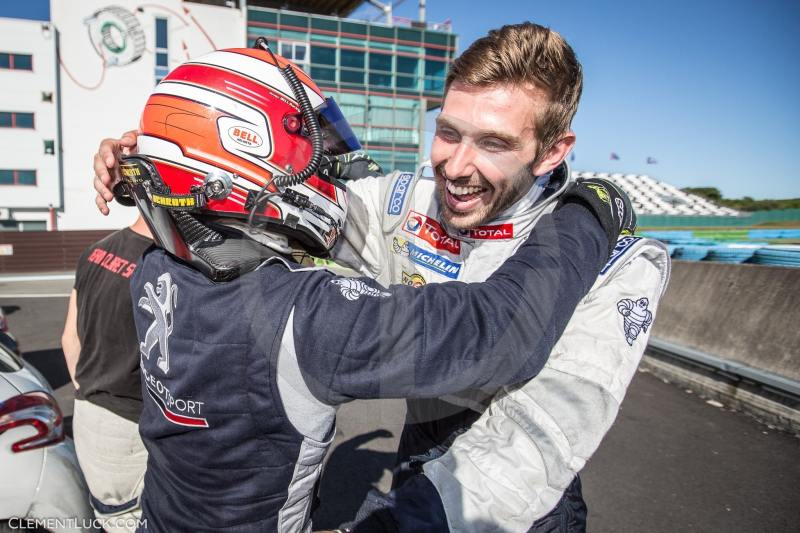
column 619, row 250
column 398, row 197
column 353, row 289
column 160, row 302
column 601, row 191
column 636, row 317
column 424, row 258
column 431, row 231
column 495, row 232
column 414, row 280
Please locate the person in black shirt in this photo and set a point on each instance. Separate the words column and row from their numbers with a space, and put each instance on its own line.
column 102, row 355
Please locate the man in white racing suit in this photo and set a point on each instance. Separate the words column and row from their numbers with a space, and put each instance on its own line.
column 510, row 471
column 494, row 176
column 513, row 465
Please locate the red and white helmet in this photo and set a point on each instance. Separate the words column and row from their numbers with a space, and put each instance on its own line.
column 238, row 134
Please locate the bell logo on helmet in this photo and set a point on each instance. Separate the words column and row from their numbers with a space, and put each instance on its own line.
column 245, row 136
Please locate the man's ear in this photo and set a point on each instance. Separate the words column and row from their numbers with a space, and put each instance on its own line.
column 555, row 155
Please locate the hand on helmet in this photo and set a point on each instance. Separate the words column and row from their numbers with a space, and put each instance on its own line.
column 349, row 166
column 106, row 161
column 609, row 203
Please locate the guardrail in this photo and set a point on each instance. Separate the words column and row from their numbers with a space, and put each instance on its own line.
column 730, row 369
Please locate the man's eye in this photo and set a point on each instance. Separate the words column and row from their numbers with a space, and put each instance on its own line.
column 494, row 144
column 447, row 134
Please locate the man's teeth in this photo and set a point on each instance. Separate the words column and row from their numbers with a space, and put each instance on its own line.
column 461, row 191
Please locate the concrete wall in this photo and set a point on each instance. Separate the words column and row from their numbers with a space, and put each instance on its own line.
column 745, row 313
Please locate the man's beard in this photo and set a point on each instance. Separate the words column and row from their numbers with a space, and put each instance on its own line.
column 520, row 183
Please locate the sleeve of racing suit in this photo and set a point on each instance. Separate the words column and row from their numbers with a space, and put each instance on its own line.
column 362, row 246
column 355, row 339
column 513, row 465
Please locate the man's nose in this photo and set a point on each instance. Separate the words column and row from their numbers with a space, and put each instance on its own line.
column 461, row 162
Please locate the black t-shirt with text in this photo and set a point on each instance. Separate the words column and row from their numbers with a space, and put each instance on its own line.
column 108, row 366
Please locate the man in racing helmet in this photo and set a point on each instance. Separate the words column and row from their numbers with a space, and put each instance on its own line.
column 245, row 353
column 535, row 479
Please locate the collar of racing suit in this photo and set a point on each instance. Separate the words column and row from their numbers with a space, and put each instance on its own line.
column 524, row 213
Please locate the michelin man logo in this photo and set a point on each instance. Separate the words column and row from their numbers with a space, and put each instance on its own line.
column 352, row 289
column 636, row 317
column 159, row 302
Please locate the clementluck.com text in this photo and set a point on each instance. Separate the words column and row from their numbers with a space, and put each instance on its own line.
column 75, row 523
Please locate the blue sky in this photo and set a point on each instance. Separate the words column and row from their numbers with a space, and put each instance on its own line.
column 708, row 88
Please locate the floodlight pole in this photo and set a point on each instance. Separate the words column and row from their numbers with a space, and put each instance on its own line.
column 386, row 8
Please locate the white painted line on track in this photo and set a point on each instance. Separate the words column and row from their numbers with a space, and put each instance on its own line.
column 42, row 295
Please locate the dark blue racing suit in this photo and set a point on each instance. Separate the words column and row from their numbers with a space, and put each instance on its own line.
column 241, row 379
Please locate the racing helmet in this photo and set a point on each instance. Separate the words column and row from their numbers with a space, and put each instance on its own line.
column 229, row 146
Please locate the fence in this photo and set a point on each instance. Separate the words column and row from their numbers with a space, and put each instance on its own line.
column 699, row 221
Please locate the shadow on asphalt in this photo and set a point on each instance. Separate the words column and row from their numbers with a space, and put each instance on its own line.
column 350, row 474
column 51, row 364
column 10, row 309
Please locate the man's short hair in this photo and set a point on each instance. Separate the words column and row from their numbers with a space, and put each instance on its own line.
column 526, row 54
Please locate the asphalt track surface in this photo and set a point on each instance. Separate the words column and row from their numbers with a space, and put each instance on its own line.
column 671, row 463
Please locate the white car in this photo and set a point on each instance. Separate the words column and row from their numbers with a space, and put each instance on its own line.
column 41, row 486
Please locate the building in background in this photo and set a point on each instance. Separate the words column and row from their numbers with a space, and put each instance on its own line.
column 385, row 78
column 85, row 70
column 31, row 181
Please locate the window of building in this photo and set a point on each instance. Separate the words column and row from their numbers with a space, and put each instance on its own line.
column 162, row 49
column 17, row 177
column 435, row 68
column 351, row 58
column 324, row 24
column 161, row 32
column 353, row 107
column 409, row 34
column 406, row 113
column 407, row 65
column 256, row 15
column 322, row 55
column 381, row 111
column 49, row 147
column 297, row 21
column 381, row 80
column 354, row 28
column 381, row 31
column 434, row 85
column 297, row 52
column 439, row 52
column 380, row 62
column 16, row 61
column 352, row 76
column 320, row 74
column 13, row 119
column 407, row 82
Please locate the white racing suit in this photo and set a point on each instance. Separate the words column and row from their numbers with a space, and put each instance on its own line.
column 512, row 467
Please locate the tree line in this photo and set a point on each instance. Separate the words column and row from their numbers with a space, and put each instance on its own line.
column 742, row 204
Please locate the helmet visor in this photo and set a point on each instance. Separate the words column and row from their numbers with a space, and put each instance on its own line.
column 337, row 136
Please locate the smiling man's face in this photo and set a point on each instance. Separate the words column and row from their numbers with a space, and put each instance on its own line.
column 484, row 151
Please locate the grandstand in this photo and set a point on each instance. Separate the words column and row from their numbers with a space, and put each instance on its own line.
column 652, row 197
column 696, row 229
